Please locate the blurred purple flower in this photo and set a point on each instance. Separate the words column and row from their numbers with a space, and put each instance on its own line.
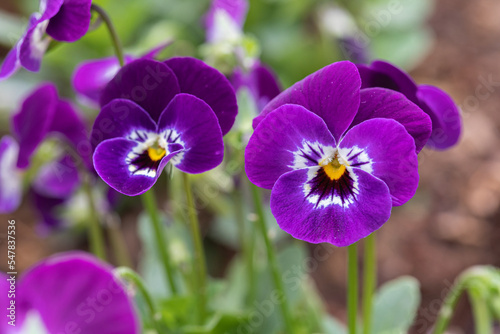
column 153, row 113
column 337, row 158
column 62, row 20
column 42, row 114
column 91, row 76
column 445, row 115
column 71, row 292
column 234, row 10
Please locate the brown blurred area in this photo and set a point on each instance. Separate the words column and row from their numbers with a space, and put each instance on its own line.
column 454, row 220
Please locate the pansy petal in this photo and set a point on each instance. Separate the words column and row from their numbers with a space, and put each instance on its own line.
column 383, row 148
column 189, row 121
column 205, row 82
column 332, row 93
column 49, row 8
column 291, row 137
column 149, row 83
column 90, row 77
column 32, row 122
column 10, row 179
column 121, row 118
column 445, row 116
column 11, row 63
column 113, row 163
column 386, row 103
column 77, row 291
column 331, row 221
column 68, row 122
column 235, row 9
column 47, row 208
column 58, row 178
column 33, row 44
column 71, row 22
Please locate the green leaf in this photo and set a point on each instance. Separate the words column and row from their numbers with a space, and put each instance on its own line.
column 221, row 323
column 395, row 306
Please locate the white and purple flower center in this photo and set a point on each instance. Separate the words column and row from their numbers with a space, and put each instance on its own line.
column 145, row 158
column 332, row 179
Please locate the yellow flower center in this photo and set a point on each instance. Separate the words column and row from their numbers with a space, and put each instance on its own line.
column 156, row 153
column 333, row 168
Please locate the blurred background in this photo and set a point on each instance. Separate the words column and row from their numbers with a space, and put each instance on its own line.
column 452, row 223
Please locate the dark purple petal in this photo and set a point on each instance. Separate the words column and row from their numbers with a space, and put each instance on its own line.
column 385, row 75
column 386, row 103
column 32, row 123
column 189, row 121
column 149, row 83
column 121, row 118
column 383, row 148
column 68, row 122
column 445, row 116
column 205, row 82
column 10, row 180
column 291, row 137
column 78, row 292
column 330, row 219
column 33, row 44
column 48, row 208
column 113, row 162
column 58, row 178
column 261, row 82
column 90, row 77
column 49, row 8
column 236, row 9
column 11, row 63
column 71, row 21
column 332, row 93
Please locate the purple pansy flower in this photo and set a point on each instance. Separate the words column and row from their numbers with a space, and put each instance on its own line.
column 62, row 20
column 42, row 114
column 337, row 158
column 72, row 292
column 91, row 76
column 156, row 112
column 445, row 115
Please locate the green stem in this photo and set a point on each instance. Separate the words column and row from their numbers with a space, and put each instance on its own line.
column 448, row 306
column 352, row 287
column 199, row 265
column 95, row 231
column 369, row 281
column 131, row 276
column 273, row 263
column 149, row 202
column 117, row 241
column 482, row 316
column 112, row 32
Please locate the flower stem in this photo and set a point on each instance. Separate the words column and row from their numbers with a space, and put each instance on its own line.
column 117, row 241
column 128, row 274
column 149, row 202
column 112, row 32
column 369, row 281
column 482, row 316
column 448, row 306
column 95, row 231
column 273, row 263
column 199, row 266
column 352, row 287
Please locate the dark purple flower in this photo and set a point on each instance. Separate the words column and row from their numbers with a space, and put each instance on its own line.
column 71, row 293
column 62, row 20
column 157, row 112
column 91, row 76
column 445, row 115
column 261, row 82
column 337, row 158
